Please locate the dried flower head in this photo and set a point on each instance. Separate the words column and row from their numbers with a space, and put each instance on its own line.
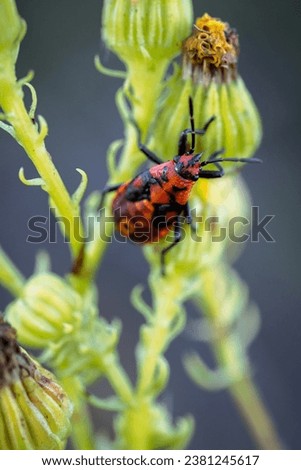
column 212, row 50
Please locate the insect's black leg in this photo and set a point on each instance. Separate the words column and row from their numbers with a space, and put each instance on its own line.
column 207, row 124
column 217, row 162
column 105, row 191
column 216, row 154
column 183, row 142
column 212, row 174
column 188, row 217
column 187, row 214
column 149, row 154
column 213, row 156
column 177, row 238
column 183, row 136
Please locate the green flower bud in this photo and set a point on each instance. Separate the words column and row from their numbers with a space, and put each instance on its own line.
column 209, row 74
column 35, row 412
column 147, row 29
column 48, row 309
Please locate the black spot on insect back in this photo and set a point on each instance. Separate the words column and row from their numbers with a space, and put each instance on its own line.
column 164, row 174
column 176, row 189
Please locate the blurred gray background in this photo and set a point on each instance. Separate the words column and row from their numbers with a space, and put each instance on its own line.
column 78, row 103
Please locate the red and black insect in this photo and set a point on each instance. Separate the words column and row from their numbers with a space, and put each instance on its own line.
column 149, row 206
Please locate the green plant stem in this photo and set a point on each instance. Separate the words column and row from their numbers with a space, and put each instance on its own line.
column 29, row 137
column 137, row 420
column 221, row 299
column 10, row 276
column 140, row 76
column 154, row 340
column 12, row 28
column 231, row 356
column 155, row 337
column 252, row 409
column 159, row 331
column 82, row 429
column 118, row 379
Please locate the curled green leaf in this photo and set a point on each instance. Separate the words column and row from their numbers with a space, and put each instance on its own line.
column 205, row 377
column 140, row 304
column 80, row 191
column 32, row 181
column 107, row 71
column 43, row 128
column 34, row 102
column 108, row 404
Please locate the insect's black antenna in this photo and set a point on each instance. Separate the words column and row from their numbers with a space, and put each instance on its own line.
column 239, row 160
column 191, row 125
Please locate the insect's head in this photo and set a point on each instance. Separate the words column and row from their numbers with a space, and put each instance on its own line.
column 188, row 166
column 187, row 163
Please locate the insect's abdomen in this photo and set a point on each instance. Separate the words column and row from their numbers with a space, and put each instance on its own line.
column 140, row 221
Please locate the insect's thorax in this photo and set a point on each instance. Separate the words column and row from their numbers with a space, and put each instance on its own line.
column 177, row 188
